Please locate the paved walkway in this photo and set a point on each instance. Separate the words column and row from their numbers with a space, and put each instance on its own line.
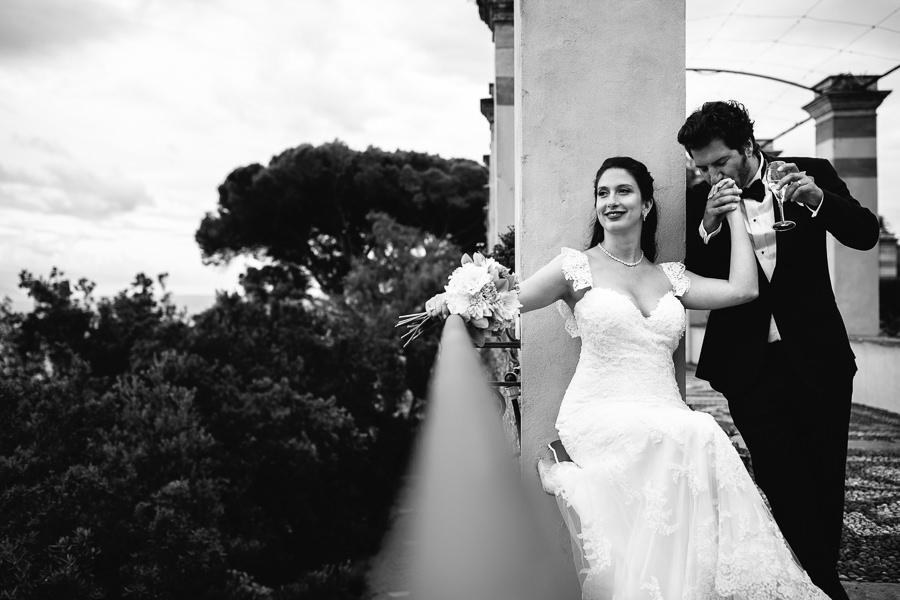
column 389, row 575
column 870, row 560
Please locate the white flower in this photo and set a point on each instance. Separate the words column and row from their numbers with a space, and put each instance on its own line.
column 468, row 279
column 469, row 307
column 481, row 291
column 457, row 304
column 507, row 305
column 492, row 266
column 473, row 306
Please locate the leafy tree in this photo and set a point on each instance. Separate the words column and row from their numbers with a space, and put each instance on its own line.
column 253, row 451
column 504, row 252
column 112, row 334
column 199, row 457
column 309, row 207
column 403, row 269
column 105, row 493
column 163, row 480
column 56, row 330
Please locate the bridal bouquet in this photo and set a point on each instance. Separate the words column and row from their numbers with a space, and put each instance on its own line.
column 482, row 291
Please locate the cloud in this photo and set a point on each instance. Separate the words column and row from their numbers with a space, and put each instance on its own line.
column 71, row 190
column 44, row 145
column 391, row 75
column 38, row 27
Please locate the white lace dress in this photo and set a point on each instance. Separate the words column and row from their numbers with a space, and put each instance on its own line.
column 657, row 500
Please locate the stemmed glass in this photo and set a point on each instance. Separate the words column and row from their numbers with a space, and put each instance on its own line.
column 772, row 179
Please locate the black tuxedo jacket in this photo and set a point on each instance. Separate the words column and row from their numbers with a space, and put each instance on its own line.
column 799, row 295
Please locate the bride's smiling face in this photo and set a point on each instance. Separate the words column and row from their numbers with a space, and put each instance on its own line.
column 618, row 201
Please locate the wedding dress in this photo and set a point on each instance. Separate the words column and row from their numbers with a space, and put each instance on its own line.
column 657, row 499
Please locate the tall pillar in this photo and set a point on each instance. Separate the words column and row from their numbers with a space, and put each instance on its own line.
column 487, row 109
column 498, row 14
column 844, row 110
column 592, row 80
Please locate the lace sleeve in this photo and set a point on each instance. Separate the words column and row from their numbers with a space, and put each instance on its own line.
column 575, row 268
column 571, row 324
column 681, row 283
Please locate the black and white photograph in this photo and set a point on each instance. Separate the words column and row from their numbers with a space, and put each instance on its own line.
column 440, row 299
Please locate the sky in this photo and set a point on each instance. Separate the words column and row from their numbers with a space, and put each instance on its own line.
column 122, row 117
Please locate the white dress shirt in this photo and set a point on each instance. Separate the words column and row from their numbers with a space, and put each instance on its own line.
column 758, row 219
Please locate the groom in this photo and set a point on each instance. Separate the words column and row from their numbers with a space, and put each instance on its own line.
column 783, row 361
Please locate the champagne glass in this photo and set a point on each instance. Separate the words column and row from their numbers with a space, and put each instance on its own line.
column 772, row 178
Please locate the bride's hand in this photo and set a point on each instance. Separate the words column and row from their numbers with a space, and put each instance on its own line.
column 436, row 307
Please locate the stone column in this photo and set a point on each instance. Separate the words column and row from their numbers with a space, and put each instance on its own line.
column 487, row 109
column 844, row 110
column 498, row 14
column 592, row 80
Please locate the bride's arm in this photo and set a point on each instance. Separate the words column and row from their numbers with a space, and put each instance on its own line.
column 543, row 288
column 741, row 285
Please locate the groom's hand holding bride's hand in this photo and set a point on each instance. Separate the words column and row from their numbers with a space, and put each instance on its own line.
column 436, row 307
column 724, row 197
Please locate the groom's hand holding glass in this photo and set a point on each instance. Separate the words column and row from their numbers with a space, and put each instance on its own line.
column 799, row 187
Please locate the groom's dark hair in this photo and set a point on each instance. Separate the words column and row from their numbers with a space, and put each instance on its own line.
column 728, row 121
column 644, row 181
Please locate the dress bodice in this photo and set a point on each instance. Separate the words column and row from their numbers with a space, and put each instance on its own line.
column 625, row 355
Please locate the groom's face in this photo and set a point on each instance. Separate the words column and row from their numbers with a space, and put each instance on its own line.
column 716, row 161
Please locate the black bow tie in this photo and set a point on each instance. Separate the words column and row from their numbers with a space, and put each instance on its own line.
column 755, row 191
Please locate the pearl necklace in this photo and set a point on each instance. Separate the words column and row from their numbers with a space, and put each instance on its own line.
column 619, row 260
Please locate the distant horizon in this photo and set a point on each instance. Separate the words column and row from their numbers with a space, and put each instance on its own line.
column 194, row 303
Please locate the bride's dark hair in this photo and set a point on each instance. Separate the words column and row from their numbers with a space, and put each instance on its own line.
column 644, row 181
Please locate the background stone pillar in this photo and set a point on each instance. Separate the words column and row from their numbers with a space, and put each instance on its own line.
column 498, row 14
column 844, row 111
column 592, row 80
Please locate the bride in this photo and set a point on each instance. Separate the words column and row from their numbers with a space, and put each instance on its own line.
column 657, row 501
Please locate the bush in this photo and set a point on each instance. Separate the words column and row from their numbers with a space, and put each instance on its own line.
column 217, row 459
column 107, row 495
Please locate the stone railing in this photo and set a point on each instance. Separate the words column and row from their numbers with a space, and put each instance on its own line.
column 877, row 383
column 474, row 532
column 501, row 361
